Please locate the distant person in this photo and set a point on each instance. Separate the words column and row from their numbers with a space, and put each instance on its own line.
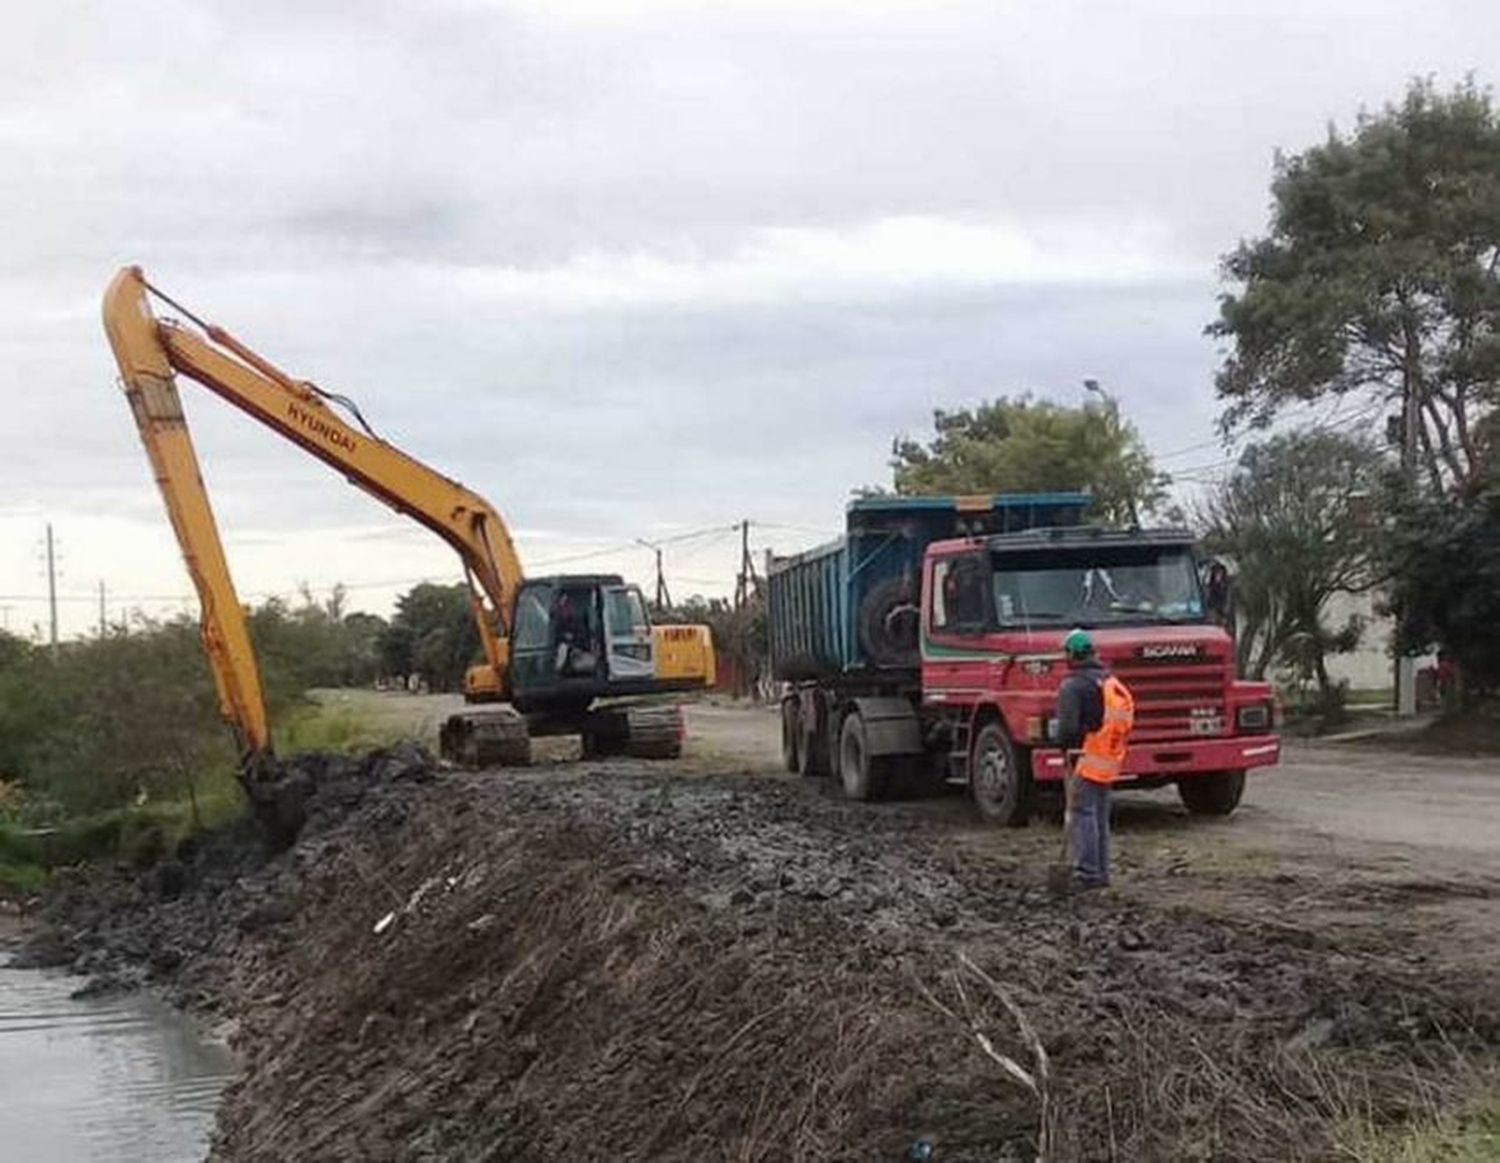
column 1445, row 679
column 1094, row 715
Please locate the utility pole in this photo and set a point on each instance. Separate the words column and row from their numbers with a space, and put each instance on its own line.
column 747, row 568
column 52, row 587
column 1411, row 417
column 663, row 597
column 102, row 625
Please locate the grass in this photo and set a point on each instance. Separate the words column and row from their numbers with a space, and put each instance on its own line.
column 319, row 725
column 1470, row 1135
column 141, row 834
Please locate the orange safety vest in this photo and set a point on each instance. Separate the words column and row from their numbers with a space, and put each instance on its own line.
column 1104, row 749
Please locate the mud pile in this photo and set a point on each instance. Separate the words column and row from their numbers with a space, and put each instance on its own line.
column 122, row 930
column 609, row 964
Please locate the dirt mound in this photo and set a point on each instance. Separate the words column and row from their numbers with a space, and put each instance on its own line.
column 604, row 964
column 122, row 928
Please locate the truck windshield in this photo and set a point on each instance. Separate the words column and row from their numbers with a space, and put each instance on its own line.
column 1094, row 585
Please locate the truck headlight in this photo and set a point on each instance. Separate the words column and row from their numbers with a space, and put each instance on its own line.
column 1253, row 717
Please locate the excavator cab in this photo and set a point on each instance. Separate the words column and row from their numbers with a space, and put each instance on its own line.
column 579, row 638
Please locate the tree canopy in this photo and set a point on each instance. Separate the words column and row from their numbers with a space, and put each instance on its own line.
column 1024, row 445
column 1294, row 517
column 1443, row 559
column 432, row 634
column 1378, row 277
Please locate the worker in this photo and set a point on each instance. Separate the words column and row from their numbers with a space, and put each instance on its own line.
column 1095, row 712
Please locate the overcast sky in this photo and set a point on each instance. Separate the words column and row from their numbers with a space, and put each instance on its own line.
column 629, row 270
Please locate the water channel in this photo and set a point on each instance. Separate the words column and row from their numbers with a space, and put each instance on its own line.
column 115, row 1078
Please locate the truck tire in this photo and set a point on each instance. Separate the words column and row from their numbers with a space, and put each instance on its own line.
column 1002, row 788
column 888, row 624
column 862, row 774
column 1214, row 793
column 791, row 736
column 832, row 738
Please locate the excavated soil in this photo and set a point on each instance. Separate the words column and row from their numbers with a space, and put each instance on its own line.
column 613, row 962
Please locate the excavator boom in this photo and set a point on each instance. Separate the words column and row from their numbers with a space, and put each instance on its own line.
column 146, row 375
column 149, row 351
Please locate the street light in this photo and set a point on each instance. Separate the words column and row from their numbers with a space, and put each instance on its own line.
column 1112, row 410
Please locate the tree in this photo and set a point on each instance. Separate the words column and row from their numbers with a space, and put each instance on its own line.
column 13, row 649
column 1293, row 518
column 314, row 644
column 1025, row 445
column 433, row 634
column 1378, row 279
column 1443, row 557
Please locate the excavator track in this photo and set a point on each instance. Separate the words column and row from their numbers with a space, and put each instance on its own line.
column 648, row 732
column 487, row 737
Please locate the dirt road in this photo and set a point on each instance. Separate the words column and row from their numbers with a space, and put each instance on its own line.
column 1419, row 815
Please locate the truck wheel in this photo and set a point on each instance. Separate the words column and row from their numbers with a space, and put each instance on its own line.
column 1001, row 787
column 1215, row 793
column 791, row 735
column 863, row 775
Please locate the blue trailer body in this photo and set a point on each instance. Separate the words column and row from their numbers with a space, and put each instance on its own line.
column 816, row 600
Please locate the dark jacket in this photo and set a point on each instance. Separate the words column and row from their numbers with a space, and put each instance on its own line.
column 1080, row 704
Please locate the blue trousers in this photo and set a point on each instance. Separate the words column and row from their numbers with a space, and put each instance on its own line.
column 1088, row 830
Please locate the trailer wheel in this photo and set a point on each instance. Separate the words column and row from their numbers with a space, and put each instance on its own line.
column 1213, row 794
column 1001, row 787
column 791, row 736
column 864, row 776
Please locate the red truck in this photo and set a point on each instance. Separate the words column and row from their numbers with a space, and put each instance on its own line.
column 926, row 644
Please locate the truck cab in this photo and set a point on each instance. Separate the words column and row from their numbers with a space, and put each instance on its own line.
column 994, row 613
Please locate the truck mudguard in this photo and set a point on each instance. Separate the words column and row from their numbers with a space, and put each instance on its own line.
column 891, row 726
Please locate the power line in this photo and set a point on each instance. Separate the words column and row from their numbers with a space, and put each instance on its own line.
column 1212, row 472
column 630, row 546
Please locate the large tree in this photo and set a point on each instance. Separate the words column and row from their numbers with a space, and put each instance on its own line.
column 1024, row 445
column 1378, row 279
column 1443, row 557
column 1293, row 518
column 432, row 634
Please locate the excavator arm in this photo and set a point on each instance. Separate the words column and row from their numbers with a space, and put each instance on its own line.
column 149, row 351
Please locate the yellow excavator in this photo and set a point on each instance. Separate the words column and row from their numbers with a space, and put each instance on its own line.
column 568, row 654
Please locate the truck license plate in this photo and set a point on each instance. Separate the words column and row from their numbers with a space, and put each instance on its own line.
column 1206, row 724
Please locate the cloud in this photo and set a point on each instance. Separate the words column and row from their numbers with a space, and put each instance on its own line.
column 634, row 268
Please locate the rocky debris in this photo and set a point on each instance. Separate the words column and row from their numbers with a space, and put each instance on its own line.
column 614, row 963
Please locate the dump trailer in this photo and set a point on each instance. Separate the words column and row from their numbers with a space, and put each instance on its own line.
column 925, row 645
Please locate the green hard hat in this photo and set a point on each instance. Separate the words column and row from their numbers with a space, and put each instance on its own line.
column 1078, row 644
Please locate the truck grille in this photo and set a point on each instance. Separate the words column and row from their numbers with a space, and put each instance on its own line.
column 1177, row 700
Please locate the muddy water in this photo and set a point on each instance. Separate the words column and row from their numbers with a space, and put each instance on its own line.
column 114, row 1078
